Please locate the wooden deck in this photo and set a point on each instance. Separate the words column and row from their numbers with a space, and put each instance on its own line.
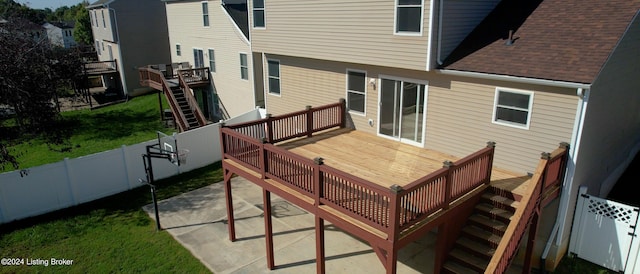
column 383, row 161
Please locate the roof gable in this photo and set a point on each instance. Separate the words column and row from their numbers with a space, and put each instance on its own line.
column 562, row 40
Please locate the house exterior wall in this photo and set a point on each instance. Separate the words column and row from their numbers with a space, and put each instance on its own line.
column 459, row 18
column 610, row 135
column 459, row 110
column 185, row 24
column 357, row 31
column 137, row 32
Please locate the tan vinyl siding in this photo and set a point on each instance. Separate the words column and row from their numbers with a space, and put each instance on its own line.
column 459, row 110
column 356, row 31
column 186, row 29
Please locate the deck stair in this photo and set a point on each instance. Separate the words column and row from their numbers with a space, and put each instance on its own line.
column 189, row 114
column 482, row 232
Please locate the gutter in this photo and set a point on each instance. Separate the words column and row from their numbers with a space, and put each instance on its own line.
column 516, row 79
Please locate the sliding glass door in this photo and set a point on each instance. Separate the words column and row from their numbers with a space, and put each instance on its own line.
column 402, row 110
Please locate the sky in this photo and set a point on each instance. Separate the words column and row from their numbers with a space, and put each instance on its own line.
column 52, row 4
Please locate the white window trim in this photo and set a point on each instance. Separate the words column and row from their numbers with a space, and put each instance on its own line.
column 104, row 22
column 240, row 63
column 279, row 77
column 207, row 14
column 194, row 57
column 178, row 49
column 512, row 124
column 264, row 12
column 214, row 60
column 366, row 84
column 407, row 33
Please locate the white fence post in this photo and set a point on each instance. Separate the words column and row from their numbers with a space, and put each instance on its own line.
column 70, row 181
column 125, row 162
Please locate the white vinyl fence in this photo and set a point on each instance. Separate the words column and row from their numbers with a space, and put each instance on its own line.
column 604, row 233
column 46, row 188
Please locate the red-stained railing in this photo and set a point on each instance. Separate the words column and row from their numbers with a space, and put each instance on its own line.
column 155, row 79
column 549, row 173
column 389, row 210
column 183, row 77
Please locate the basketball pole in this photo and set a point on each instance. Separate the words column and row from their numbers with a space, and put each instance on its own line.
column 148, row 168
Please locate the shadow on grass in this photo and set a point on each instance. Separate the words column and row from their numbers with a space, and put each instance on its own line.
column 125, row 205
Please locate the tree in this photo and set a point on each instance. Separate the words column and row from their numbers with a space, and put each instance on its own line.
column 82, row 30
column 31, row 72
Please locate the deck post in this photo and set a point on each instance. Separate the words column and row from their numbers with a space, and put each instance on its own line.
column 263, row 159
column 492, row 145
column 309, row 121
column 269, row 128
column 448, row 184
column 343, row 113
column 394, row 226
column 531, row 241
column 229, row 198
column 320, row 258
column 268, row 228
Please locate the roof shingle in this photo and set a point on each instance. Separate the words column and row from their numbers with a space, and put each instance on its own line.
column 561, row 40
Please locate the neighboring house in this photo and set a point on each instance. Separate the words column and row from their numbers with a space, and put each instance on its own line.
column 448, row 76
column 215, row 34
column 37, row 32
column 134, row 34
column 60, row 33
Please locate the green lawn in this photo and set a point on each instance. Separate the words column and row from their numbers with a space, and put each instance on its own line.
column 110, row 235
column 132, row 122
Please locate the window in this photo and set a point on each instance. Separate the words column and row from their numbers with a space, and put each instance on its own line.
column 98, row 47
column 104, row 23
column 91, row 17
column 258, row 14
column 409, row 16
column 244, row 69
column 273, row 68
column 356, row 91
column 178, row 50
column 212, row 60
column 513, row 108
column 95, row 16
column 205, row 14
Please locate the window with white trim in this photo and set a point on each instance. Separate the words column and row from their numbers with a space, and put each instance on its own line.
column 98, row 47
column 356, row 91
column 205, row 14
column 178, row 50
column 409, row 16
column 244, row 67
column 212, row 60
column 104, row 23
column 513, row 108
column 258, row 14
column 273, row 70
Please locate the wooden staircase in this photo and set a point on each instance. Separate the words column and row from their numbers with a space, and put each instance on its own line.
column 189, row 113
column 482, row 233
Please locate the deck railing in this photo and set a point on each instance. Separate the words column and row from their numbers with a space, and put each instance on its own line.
column 389, row 210
column 155, row 79
column 183, row 77
column 100, row 66
column 548, row 174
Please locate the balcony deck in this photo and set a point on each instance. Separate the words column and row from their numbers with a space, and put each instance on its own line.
column 383, row 161
column 382, row 191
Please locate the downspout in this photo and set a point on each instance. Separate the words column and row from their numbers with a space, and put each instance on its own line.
column 440, row 12
column 583, row 95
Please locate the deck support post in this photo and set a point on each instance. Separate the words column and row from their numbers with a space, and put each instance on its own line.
column 531, row 241
column 320, row 258
column 229, row 198
column 392, row 260
column 447, row 192
column 268, row 228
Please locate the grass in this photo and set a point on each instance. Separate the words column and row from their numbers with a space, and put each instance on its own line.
column 110, row 235
column 132, row 122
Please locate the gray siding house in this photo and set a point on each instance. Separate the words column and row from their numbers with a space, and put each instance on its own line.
column 134, row 33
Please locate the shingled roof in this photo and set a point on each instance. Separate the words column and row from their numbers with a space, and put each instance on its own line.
column 561, row 40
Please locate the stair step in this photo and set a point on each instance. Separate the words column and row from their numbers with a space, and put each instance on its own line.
column 500, row 201
column 477, row 233
column 478, row 248
column 468, row 260
column 494, row 212
column 504, row 193
column 455, row 268
column 489, row 224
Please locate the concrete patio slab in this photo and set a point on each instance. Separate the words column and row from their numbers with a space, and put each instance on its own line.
column 198, row 221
